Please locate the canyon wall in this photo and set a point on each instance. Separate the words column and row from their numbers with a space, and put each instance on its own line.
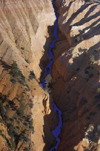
column 76, row 74
column 25, row 28
column 26, row 117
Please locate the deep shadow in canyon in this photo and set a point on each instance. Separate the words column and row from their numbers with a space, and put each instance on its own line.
column 72, row 94
column 75, row 95
column 44, row 61
column 50, row 120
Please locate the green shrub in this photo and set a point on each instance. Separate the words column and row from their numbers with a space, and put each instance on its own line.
column 48, row 78
column 1, row 121
column 3, row 135
column 6, row 118
column 11, row 103
column 32, row 128
column 96, row 50
column 13, row 81
column 20, row 112
column 32, row 75
column 82, row 38
column 89, row 137
column 96, row 134
column 27, row 60
column 21, row 101
column 22, row 78
column 15, row 41
column 26, row 139
column 14, row 69
column 31, row 105
column 16, row 72
column 27, row 89
column 98, row 90
column 1, row 105
column 77, row 39
column 21, row 137
column 0, row 132
column 22, row 48
column 14, row 65
column 13, row 145
column 26, row 124
column 46, row 89
column 2, row 112
column 98, row 127
column 92, row 58
column 31, row 122
column 7, row 107
column 22, row 97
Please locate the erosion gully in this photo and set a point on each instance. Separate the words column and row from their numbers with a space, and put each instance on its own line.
column 57, row 130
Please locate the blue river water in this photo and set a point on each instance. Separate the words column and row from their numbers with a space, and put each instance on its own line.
column 57, row 130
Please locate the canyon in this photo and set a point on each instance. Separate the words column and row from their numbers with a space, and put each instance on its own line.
column 25, row 29
column 27, row 118
column 75, row 74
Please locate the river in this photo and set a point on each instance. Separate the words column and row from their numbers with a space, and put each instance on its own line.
column 57, row 130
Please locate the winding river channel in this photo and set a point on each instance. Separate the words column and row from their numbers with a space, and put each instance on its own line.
column 57, row 130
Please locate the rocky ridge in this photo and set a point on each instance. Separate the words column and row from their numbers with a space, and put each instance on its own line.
column 26, row 111
column 76, row 74
column 25, row 28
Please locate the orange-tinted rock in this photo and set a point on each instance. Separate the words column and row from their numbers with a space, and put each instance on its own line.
column 75, row 78
column 24, row 38
column 24, row 31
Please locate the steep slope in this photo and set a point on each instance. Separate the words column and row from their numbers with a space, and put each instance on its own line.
column 76, row 74
column 25, row 28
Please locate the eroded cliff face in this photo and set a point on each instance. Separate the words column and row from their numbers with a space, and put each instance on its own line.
column 25, row 28
column 76, row 74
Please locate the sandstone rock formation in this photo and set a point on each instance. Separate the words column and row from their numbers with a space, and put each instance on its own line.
column 25, row 35
column 76, row 73
column 25, row 26
column 24, row 30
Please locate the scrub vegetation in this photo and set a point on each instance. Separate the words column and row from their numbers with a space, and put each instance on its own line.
column 15, row 115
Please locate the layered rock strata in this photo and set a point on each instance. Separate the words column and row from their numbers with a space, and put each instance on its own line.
column 75, row 73
column 25, row 28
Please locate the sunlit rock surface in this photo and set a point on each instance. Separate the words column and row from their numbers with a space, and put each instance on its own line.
column 25, row 38
column 24, row 30
column 76, row 71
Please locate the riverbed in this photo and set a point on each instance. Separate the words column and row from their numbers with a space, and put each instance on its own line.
column 57, row 130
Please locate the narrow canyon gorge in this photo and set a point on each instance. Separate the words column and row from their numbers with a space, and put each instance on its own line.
column 27, row 117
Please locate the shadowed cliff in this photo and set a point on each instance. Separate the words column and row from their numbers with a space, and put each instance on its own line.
column 24, row 42
column 75, row 72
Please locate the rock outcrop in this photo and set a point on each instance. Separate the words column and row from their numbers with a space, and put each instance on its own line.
column 25, row 28
column 76, row 74
column 26, row 117
column 24, row 31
